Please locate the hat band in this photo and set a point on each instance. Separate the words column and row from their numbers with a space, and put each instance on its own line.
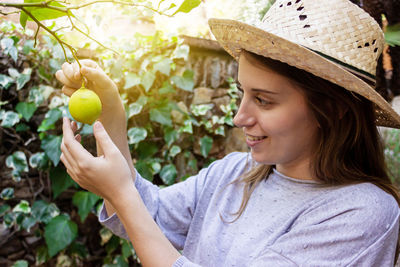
column 363, row 75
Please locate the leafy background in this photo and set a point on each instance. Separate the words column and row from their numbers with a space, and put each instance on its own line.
column 46, row 218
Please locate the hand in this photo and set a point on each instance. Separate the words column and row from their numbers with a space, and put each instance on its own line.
column 71, row 76
column 108, row 175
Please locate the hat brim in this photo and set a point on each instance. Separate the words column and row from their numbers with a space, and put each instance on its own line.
column 235, row 36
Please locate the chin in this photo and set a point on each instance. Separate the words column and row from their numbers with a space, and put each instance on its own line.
column 262, row 159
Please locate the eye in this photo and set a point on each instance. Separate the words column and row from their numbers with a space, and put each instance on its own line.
column 262, row 102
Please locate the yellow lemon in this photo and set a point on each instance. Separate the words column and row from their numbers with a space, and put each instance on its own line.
column 85, row 105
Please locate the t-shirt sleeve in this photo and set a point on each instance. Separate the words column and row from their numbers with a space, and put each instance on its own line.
column 351, row 230
column 172, row 207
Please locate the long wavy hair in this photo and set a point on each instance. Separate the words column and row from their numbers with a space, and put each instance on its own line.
column 349, row 148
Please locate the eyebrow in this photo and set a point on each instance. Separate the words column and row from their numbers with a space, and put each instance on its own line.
column 239, row 86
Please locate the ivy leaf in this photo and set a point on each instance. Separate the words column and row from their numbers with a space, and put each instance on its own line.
column 168, row 174
column 3, row 209
column 23, row 78
column 184, row 82
column 205, row 145
column 38, row 160
column 166, row 88
column 7, row 44
column 7, row 193
column 131, row 80
column 10, row 118
column 43, row 211
column 36, row 96
column 60, row 181
column 84, row 201
column 20, row 263
column 161, row 115
column 163, row 66
column 136, row 134
column 170, row 135
column 134, row 109
column 144, row 168
column 181, row 51
column 201, row 110
column 175, row 150
column 51, row 117
column 146, row 150
column 59, row 233
column 5, row 81
column 26, row 109
column 147, row 80
column 51, row 144
column 23, row 207
column 17, row 161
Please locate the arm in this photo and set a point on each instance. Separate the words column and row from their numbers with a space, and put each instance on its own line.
column 113, row 115
column 93, row 174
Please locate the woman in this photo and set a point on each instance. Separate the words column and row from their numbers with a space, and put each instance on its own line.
column 313, row 191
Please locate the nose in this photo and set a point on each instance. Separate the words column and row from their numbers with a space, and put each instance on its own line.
column 244, row 117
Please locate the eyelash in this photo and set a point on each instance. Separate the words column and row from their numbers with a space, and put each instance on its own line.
column 259, row 100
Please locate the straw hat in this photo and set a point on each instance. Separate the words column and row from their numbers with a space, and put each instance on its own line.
column 333, row 39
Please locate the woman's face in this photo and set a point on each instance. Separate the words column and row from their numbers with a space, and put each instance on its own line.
column 280, row 129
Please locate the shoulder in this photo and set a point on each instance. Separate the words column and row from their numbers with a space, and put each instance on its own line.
column 362, row 207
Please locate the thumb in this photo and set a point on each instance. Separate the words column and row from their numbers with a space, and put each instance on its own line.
column 103, row 139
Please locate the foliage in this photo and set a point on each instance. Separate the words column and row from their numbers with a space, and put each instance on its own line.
column 392, row 35
column 392, row 154
column 163, row 128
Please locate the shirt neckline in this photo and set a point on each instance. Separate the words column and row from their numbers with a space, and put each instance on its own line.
column 302, row 181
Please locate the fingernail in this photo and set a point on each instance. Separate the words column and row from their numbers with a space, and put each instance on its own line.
column 98, row 125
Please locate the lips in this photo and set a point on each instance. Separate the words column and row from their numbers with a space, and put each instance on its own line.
column 253, row 138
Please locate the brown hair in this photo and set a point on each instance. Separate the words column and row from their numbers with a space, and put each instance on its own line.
column 349, row 148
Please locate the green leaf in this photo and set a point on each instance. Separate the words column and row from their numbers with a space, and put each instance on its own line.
column 146, row 150
column 20, row 263
column 51, row 144
column 42, row 255
column 392, row 35
column 144, row 168
column 23, row 17
column 22, row 127
column 84, row 201
column 77, row 248
column 170, row 135
column 168, row 174
column 7, row 193
column 147, row 80
column 126, row 249
column 163, row 66
column 142, row 100
column 3, row 209
column 36, row 96
column 184, row 82
column 23, row 78
column 10, row 118
column 205, row 145
column 28, row 222
column 60, row 181
column 38, row 160
column 44, row 212
column 5, row 81
column 26, row 109
column 181, row 51
column 41, row 13
column 134, row 109
column 59, row 233
column 201, row 110
column 28, row 46
column 131, row 80
column 136, row 134
column 187, row 6
column 51, row 117
column 17, row 161
column 166, row 88
column 161, row 115
column 175, row 150
column 7, row 44
column 22, row 206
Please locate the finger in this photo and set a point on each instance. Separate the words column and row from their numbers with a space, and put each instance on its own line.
column 89, row 63
column 96, row 75
column 77, row 73
column 104, row 140
column 63, row 79
column 68, row 91
column 68, row 71
column 78, row 138
column 74, row 126
column 75, row 149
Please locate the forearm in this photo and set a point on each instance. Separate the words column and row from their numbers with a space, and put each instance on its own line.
column 115, row 124
column 150, row 244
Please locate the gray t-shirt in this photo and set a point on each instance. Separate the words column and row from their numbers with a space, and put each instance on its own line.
column 287, row 222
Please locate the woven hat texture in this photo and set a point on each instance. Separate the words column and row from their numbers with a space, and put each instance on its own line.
column 333, row 39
